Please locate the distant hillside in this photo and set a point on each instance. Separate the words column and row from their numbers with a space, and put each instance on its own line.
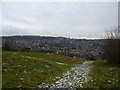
column 81, row 48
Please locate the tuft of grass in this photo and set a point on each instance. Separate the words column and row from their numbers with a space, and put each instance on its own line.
column 104, row 75
column 28, row 69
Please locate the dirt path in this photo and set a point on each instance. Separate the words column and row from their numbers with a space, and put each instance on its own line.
column 75, row 77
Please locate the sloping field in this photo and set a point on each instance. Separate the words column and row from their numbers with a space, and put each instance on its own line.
column 37, row 70
column 29, row 70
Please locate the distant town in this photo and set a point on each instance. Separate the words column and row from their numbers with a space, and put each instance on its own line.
column 77, row 48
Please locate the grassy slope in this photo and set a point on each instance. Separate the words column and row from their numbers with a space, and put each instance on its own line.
column 27, row 69
column 104, row 75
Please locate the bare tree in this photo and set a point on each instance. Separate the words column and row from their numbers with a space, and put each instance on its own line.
column 112, row 46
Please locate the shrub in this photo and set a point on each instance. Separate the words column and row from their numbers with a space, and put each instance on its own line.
column 26, row 49
column 112, row 46
column 7, row 46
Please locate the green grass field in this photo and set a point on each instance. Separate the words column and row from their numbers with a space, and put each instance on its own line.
column 104, row 75
column 27, row 69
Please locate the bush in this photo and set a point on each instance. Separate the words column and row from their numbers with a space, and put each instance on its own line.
column 26, row 49
column 91, row 58
column 112, row 46
column 6, row 46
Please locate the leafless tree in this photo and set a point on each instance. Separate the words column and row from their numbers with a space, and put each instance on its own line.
column 112, row 45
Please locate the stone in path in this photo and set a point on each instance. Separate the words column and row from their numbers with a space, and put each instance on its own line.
column 74, row 78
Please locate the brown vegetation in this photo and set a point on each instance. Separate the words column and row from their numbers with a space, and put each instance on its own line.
column 112, row 46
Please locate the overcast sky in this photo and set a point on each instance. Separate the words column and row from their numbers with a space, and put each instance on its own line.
column 67, row 19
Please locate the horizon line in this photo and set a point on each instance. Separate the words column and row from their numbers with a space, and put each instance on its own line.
column 51, row 36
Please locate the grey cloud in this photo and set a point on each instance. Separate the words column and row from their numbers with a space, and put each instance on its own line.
column 10, row 30
column 77, row 20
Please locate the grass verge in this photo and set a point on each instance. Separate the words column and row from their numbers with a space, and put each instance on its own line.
column 104, row 75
